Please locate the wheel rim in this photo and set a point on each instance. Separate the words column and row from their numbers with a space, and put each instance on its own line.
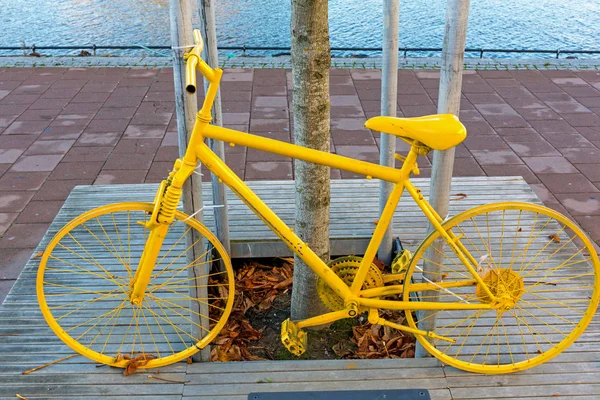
column 541, row 265
column 83, row 285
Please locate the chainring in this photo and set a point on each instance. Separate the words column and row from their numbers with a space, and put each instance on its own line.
column 346, row 268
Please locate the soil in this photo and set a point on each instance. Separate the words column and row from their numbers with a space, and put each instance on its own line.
column 255, row 334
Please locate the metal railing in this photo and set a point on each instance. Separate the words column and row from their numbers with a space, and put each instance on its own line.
column 244, row 49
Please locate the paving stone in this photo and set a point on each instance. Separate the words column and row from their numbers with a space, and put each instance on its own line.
column 566, row 183
column 567, row 107
column 543, row 193
column 20, row 236
column 590, row 224
column 511, row 170
column 485, row 142
column 254, row 155
column 555, row 165
column 36, row 163
column 6, row 219
column 552, row 126
column 590, row 171
column 79, row 108
column 591, row 134
column 39, row 211
column 81, row 120
column 581, row 203
column 571, row 140
column 14, row 201
column 59, row 190
column 237, row 96
column 580, row 120
column 60, row 93
column 506, row 121
column 344, row 101
column 85, row 154
column 145, row 131
column 9, row 156
column 121, row 176
column 518, row 135
column 467, row 166
column 76, row 170
column 581, row 91
column 534, row 149
column 26, row 99
column 538, row 114
column 160, row 170
column 156, row 118
column 122, row 102
column 5, row 121
column 582, row 155
column 103, row 139
column 267, row 125
column 107, row 125
column 13, row 261
column 364, row 153
column 40, row 115
column 22, row 180
column 26, row 127
column 496, row 157
column 62, row 132
column 124, row 161
column 478, row 128
column 525, row 102
column 42, row 147
column 169, row 153
column 268, row 170
column 485, row 99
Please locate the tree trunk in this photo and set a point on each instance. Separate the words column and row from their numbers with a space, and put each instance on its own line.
column 310, row 72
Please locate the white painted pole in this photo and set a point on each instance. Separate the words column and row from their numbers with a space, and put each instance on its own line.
column 186, row 107
column 209, row 33
column 457, row 15
column 389, row 97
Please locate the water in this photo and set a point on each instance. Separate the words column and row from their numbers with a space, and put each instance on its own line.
column 518, row 24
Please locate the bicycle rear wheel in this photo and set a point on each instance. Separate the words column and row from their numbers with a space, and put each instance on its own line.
column 83, row 287
column 538, row 262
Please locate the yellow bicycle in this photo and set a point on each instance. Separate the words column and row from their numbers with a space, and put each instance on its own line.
column 495, row 289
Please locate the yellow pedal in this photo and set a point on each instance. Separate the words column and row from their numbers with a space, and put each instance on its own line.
column 401, row 261
column 293, row 338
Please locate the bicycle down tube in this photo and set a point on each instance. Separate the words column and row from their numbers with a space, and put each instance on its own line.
column 399, row 177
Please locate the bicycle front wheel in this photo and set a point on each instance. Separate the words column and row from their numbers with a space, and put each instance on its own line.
column 84, row 282
column 541, row 267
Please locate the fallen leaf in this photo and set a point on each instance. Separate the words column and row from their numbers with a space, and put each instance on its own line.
column 458, row 196
column 554, row 237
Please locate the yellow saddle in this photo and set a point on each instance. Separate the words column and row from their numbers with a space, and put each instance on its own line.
column 439, row 131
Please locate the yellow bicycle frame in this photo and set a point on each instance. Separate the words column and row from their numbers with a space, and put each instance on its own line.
column 198, row 151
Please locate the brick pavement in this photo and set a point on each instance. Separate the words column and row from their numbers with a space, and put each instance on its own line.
column 61, row 127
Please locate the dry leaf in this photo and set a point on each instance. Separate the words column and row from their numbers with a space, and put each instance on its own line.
column 458, row 196
column 554, row 237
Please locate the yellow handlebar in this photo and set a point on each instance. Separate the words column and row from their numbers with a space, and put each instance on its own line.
column 194, row 61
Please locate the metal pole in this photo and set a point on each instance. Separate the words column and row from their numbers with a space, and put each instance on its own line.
column 457, row 14
column 389, row 97
column 186, row 107
column 209, row 32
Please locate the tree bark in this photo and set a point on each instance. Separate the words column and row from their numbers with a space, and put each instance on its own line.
column 310, row 75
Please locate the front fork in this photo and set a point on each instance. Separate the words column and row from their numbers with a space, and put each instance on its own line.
column 165, row 205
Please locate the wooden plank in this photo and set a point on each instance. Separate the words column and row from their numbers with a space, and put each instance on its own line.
column 354, row 208
column 26, row 341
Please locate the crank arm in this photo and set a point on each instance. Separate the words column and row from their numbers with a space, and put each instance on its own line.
column 374, row 319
